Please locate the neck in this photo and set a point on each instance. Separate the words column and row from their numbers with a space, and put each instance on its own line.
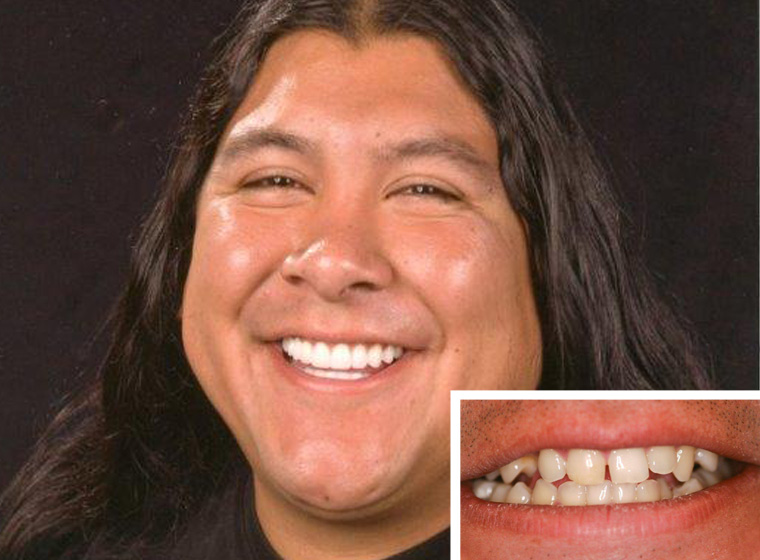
column 300, row 534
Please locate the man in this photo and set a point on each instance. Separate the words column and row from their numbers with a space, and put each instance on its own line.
column 368, row 210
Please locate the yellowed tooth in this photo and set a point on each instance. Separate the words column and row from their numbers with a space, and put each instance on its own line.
column 500, row 492
column 628, row 465
column 586, row 466
column 525, row 464
column 492, row 475
column 483, row 488
column 519, row 494
column 623, row 493
column 572, row 494
column 689, row 487
column 707, row 478
column 551, row 465
column 647, row 491
column 665, row 492
column 684, row 463
column 600, row 494
column 706, row 459
column 544, row 493
column 662, row 459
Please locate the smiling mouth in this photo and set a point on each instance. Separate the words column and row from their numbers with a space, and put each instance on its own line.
column 585, row 477
column 343, row 361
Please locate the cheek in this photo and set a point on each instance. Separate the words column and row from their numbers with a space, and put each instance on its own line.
column 231, row 256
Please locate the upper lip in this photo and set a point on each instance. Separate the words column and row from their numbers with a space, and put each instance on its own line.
column 613, row 425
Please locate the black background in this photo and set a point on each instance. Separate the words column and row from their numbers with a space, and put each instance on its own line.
column 91, row 94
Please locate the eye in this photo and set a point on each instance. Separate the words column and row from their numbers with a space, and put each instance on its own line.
column 425, row 190
column 274, row 182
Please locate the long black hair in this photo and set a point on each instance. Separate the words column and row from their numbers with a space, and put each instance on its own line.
column 140, row 446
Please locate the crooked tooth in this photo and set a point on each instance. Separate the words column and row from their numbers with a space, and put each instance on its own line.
column 684, row 463
column 628, row 466
column 519, row 494
column 706, row 459
column 492, row 475
column 500, row 492
column 623, row 493
column 585, row 466
column 340, row 357
column 544, row 493
column 689, row 487
column 661, row 460
column 665, row 492
column 600, row 494
column 525, row 464
column 551, row 465
column 483, row 488
column 648, row 491
column 707, row 478
column 572, row 494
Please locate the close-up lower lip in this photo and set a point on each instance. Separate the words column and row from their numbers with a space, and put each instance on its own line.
column 609, row 520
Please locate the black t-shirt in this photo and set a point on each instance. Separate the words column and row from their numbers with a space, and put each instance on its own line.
column 228, row 529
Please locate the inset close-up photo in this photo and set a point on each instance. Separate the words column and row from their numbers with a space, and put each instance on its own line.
column 610, row 480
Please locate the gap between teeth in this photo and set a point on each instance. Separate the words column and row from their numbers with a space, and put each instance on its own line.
column 341, row 357
column 587, row 482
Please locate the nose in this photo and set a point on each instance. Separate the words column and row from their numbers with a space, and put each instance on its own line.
column 341, row 260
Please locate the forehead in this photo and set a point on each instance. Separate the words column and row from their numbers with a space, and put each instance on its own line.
column 384, row 86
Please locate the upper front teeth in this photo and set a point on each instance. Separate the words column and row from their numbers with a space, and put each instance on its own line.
column 341, row 356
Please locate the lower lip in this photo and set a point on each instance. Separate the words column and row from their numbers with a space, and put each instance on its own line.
column 299, row 377
column 643, row 520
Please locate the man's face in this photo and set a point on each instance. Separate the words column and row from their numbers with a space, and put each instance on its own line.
column 354, row 215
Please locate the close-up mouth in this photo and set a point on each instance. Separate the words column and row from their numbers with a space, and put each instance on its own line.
column 570, row 469
column 585, row 477
column 342, row 361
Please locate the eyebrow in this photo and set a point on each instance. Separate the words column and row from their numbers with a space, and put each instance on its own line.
column 444, row 146
column 438, row 145
column 255, row 139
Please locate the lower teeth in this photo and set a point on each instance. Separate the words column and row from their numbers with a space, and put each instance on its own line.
column 333, row 374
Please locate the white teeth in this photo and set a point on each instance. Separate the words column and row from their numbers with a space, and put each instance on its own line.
column 684, row 463
column 662, row 460
column 341, row 356
column 585, row 466
column 544, row 493
column 551, row 465
column 706, row 459
column 707, row 478
column 526, row 464
column 359, row 356
column 628, row 466
column 572, row 494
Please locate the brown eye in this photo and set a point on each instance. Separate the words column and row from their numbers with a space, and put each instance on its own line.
column 424, row 190
column 275, row 181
